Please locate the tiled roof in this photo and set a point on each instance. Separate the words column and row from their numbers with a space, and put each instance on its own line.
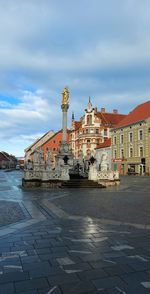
column 141, row 112
column 106, row 143
column 77, row 124
column 110, row 119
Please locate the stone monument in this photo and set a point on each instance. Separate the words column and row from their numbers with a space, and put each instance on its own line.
column 41, row 173
column 64, row 156
column 105, row 176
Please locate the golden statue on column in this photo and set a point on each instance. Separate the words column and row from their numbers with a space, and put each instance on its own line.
column 65, row 96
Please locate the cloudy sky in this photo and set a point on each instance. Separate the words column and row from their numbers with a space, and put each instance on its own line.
column 99, row 48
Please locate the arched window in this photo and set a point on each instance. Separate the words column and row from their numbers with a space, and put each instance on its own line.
column 89, row 119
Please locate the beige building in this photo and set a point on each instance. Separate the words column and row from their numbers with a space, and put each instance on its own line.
column 38, row 143
column 131, row 142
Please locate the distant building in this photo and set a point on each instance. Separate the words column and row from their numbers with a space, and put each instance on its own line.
column 7, row 161
column 92, row 129
column 20, row 162
column 104, row 148
column 38, row 143
column 131, row 142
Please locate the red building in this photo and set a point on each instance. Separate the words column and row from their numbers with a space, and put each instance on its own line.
column 53, row 143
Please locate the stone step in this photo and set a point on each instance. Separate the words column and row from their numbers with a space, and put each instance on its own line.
column 84, row 183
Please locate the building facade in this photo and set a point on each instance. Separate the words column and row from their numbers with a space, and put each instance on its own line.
column 131, row 142
column 92, row 129
column 7, row 161
column 38, row 143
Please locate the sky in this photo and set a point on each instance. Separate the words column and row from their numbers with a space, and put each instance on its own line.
column 98, row 48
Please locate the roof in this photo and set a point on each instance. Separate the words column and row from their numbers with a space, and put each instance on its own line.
column 77, row 124
column 106, row 143
column 51, row 138
column 110, row 119
column 4, row 155
column 141, row 112
column 37, row 140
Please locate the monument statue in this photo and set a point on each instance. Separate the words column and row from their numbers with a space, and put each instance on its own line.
column 65, row 96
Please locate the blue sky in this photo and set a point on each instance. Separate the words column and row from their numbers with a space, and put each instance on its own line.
column 98, row 48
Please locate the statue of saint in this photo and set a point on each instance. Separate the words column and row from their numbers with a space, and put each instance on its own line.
column 104, row 162
column 65, row 96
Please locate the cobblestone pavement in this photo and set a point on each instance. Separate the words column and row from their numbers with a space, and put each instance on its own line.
column 59, row 250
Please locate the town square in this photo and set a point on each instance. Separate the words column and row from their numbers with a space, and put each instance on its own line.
column 74, row 147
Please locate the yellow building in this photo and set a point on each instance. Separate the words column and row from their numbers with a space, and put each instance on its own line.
column 131, row 142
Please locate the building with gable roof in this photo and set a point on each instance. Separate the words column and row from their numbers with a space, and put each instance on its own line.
column 92, row 129
column 131, row 142
column 37, row 144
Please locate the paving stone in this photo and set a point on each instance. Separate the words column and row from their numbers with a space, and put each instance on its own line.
column 78, row 266
column 31, row 285
column 91, row 274
column 30, row 292
column 30, row 259
column 118, row 270
column 128, row 290
column 36, row 265
column 135, row 278
column 15, row 276
column 108, row 282
column 51, row 290
column 78, row 288
column 7, row 288
column 63, row 279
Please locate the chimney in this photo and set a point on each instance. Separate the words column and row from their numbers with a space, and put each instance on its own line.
column 103, row 110
column 115, row 111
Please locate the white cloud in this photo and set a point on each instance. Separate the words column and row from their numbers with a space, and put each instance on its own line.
column 98, row 48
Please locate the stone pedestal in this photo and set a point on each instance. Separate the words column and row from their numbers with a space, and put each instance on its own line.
column 65, row 173
column 92, row 172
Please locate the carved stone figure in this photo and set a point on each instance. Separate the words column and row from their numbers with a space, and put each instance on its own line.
column 41, row 155
column 49, row 158
column 36, row 159
column 104, row 162
column 29, row 165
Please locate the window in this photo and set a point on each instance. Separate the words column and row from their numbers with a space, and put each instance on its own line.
column 121, row 139
column 88, row 141
column 115, row 140
column 115, row 153
column 87, row 131
column 97, row 131
column 130, row 137
column 122, row 153
column 141, row 153
column 54, row 141
column 89, row 119
column 105, row 132
column 131, row 152
column 91, row 131
column 140, row 134
column 53, row 149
